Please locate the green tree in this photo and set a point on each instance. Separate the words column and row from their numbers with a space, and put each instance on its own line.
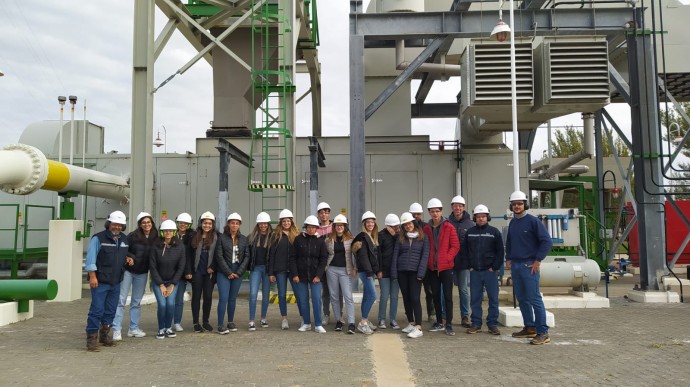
column 570, row 141
column 677, row 127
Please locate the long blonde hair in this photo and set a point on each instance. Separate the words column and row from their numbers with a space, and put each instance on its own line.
column 291, row 234
column 374, row 233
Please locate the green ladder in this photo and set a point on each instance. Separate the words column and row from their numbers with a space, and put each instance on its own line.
column 271, row 149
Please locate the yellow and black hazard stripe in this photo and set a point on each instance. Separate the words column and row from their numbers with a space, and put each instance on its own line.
column 289, row 298
column 258, row 187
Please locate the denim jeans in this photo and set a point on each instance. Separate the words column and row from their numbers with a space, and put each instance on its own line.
column 138, row 284
column 258, row 277
column 227, row 297
column 480, row 280
column 526, row 288
column 103, row 306
column 166, row 306
column 302, row 290
column 179, row 301
column 281, row 282
column 389, row 289
column 463, row 280
column 340, row 287
column 369, row 294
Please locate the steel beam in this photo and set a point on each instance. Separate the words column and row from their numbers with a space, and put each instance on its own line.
column 357, row 138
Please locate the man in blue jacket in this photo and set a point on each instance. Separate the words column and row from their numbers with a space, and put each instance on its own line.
column 482, row 254
column 461, row 220
column 105, row 265
column 527, row 244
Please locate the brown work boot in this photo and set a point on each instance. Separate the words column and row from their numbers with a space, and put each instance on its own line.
column 465, row 323
column 473, row 330
column 540, row 339
column 494, row 331
column 92, row 342
column 526, row 332
column 104, row 336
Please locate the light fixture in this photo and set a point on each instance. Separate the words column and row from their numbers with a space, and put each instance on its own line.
column 678, row 137
column 158, row 142
column 501, row 32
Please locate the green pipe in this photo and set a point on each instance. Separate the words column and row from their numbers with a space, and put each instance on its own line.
column 28, row 289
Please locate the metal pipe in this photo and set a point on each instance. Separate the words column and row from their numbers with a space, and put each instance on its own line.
column 28, row 289
column 513, row 97
column 72, row 101
column 586, row 152
column 437, row 68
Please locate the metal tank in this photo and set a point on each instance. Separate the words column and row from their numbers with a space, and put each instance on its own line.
column 578, row 272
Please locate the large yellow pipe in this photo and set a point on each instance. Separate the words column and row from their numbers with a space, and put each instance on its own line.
column 25, row 169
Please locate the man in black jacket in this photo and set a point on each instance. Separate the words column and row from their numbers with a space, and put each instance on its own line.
column 482, row 254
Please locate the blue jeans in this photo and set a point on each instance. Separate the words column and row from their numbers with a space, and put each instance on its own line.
column 281, row 282
column 389, row 289
column 258, row 277
column 526, row 288
column 302, row 290
column 138, row 284
column 103, row 306
column 179, row 301
column 340, row 287
column 227, row 296
column 480, row 280
column 166, row 306
column 463, row 280
column 369, row 294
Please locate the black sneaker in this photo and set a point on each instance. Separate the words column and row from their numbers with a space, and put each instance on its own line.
column 198, row 328
column 223, row 330
column 339, row 326
column 161, row 334
column 170, row 333
column 232, row 327
column 449, row 330
column 351, row 329
column 436, row 327
column 207, row 327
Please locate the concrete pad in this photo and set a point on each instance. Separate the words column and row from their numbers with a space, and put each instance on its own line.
column 634, row 270
column 576, row 300
column 511, row 317
column 671, row 281
column 657, row 297
column 10, row 315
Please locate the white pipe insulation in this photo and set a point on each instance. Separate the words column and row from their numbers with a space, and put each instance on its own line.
column 26, row 169
column 436, row 68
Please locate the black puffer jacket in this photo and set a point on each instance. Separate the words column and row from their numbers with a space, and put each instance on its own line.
column 310, row 257
column 366, row 254
column 279, row 256
column 188, row 251
column 167, row 262
column 386, row 247
column 224, row 252
column 140, row 251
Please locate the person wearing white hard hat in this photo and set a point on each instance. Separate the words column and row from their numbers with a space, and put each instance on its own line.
column 203, row 270
column 105, row 266
column 184, row 222
column 366, row 249
column 462, row 221
column 259, row 241
column 417, row 211
column 282, row 248
column 443, row 247
column 527, row 244
column 167, row 268
column 339, row 271
column 140, row 242
column 388, row 286
column 323, row 212
column 232, row 252
column 307, row 268
column 482, row 254
column 409, row 267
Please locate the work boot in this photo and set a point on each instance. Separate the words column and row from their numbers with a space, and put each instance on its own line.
column 92, row 342
column 104, row 336
column 465, row 323
column 526, row 332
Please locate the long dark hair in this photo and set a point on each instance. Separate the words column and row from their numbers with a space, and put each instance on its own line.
column 403, row 233
column 255, row 236
column 199, row 236
column 139, row 235
column 174, row 241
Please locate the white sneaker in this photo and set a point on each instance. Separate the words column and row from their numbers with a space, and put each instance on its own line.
column 117, row 336
column 382, row 324
column 178, row 327
column 325, row 319
column 304, row 328
column 371, row 325
column 415, row 333
column 284, row 325
column 409, row 328
column 364, row 328
column 319, row 329
column 136, row 333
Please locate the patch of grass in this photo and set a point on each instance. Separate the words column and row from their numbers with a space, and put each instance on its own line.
column 663, row 345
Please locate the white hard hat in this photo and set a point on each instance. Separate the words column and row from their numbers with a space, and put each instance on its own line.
column 168, row 225
column 368, row 215
column 392, row 220
column 285, row 214
column 143, row 215
column 184, row 218
column 481, row 209
column 311, row 221
column 458, row 199
column 321, row 206
column 406, row 217
column 117, row 217
column 263, row 217
column 518, row 195
column 340, row 218
column 208, row 215
column 234, row 216
column 416, row 208
column 434, row 203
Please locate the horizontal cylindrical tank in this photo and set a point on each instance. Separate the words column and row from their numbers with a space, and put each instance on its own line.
column 566, row 271
column 28, row 289
column 400, row 6
column 25, row 169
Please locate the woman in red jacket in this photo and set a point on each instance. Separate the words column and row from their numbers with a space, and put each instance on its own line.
column 443, row 247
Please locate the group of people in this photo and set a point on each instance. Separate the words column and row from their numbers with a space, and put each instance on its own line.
column 323, row 262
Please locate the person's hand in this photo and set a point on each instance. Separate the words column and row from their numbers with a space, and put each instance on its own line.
column 93, row 281
column 420, row 279
column 491, row 270
column 535, row 266
column 171, row 287
column 295, row 278
column 188, row 276
column 272, row 279
column 129, row 261
column 379, row 275
column 316, row 280
column 209, row 270
column 164, row 290
column 508, row 265
column 233, row 276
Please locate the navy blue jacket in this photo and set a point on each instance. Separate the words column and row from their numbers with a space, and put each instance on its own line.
column 410, row 256
column 527, row 239
column 482, row 249
column 461, row 226
column 111, row 257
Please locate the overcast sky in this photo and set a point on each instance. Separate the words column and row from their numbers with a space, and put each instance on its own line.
column 56, row 47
